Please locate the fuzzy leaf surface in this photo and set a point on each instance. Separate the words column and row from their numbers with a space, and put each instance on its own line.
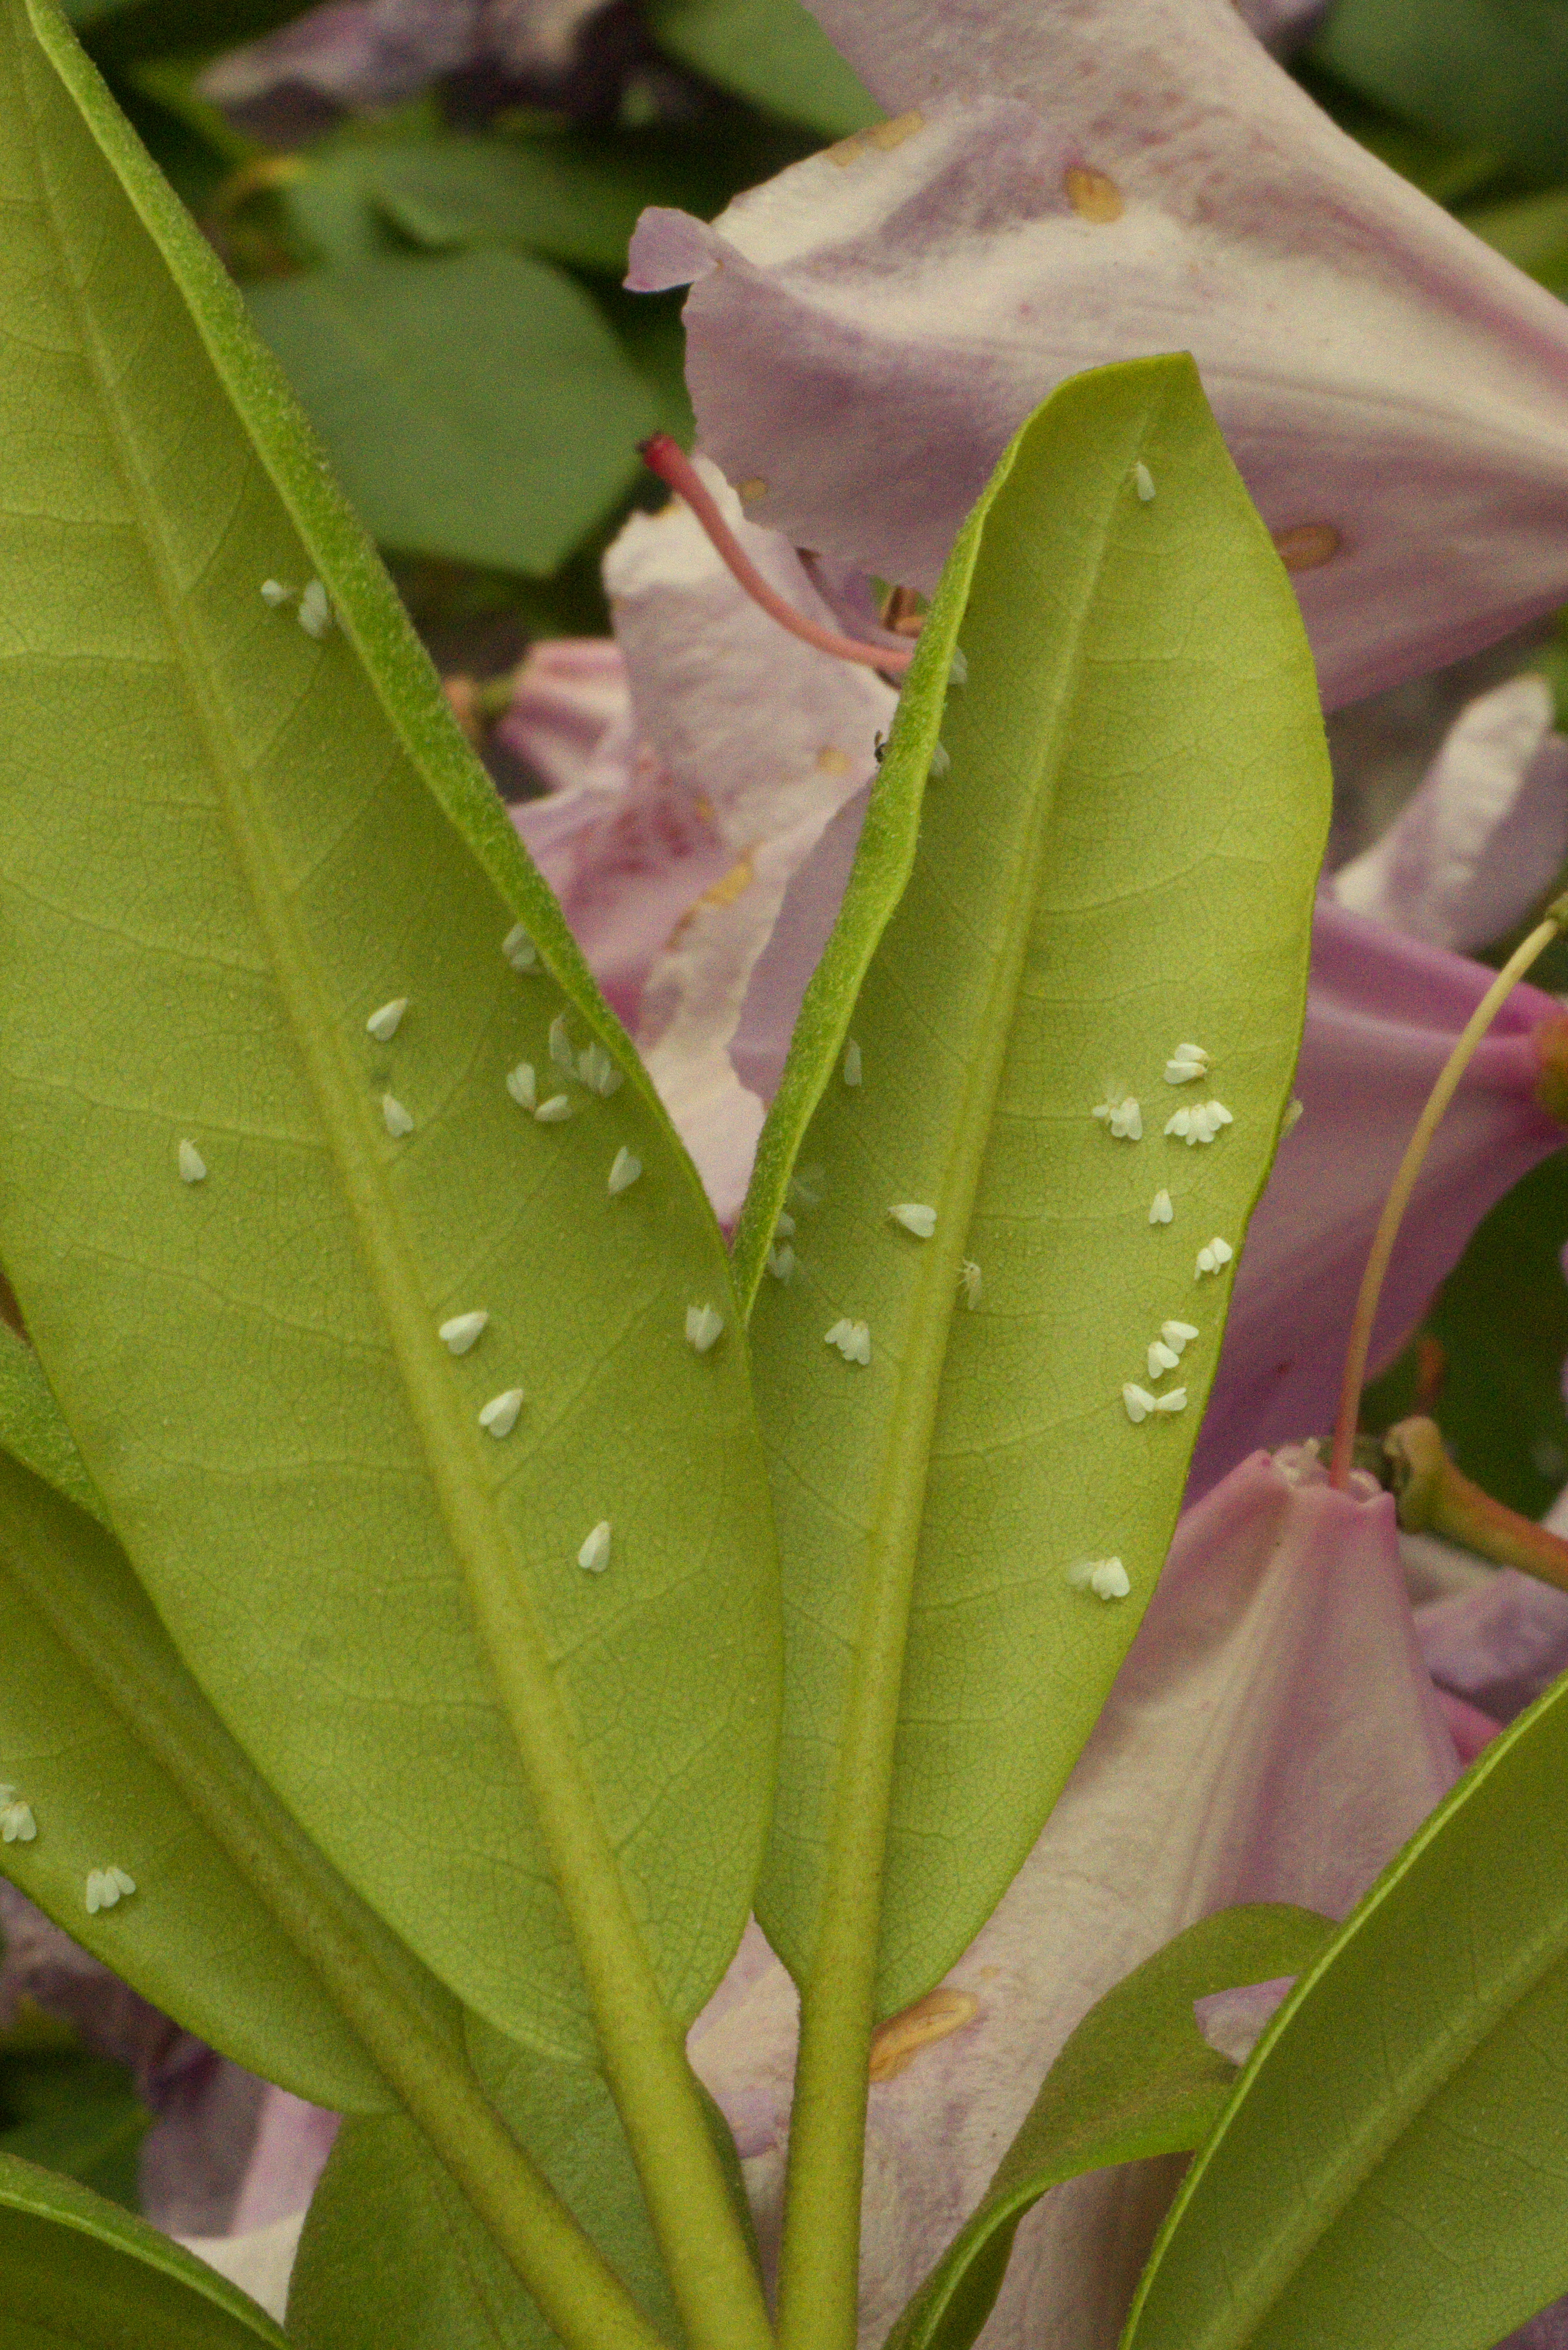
column 1121, row 859
column 223, row 845
column 1393, row 2172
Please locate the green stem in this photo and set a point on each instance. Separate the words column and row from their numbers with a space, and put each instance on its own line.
column 1434, row 1497
column 381, row 1994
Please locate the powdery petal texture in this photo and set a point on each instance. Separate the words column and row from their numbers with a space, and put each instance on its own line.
column 1272, row 1736
column 888, row 313
column 1383, row 1013
column 1484, row 836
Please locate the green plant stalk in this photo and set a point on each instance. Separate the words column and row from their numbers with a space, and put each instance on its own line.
column 820, row 2251
column 577, row 2290
column 642, row 2047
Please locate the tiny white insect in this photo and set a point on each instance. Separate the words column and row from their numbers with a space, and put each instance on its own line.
column 1123, row 1115
column 524, row 1086
column 274, row 593
column 1288, row 1123
column 1173, row 1400
column 1160, row 1358
column 941, row 762
column 807, row 1186
column 1138, row 1401
column 921, row 1222
column 314, row 611
column 499, row 1415
column 1217, row 1114
column 594, row 1553
column 383, row 1024
column 1188, row 1061
column 561, row 1051
column 958, row 667
column 704, row 1325
column 1212, row 1256
column 853, row 1340
column 192, row 1166
column 784, row 1226
column 781, row 1262
column 597, row 1071
column 106, row 1887
column 1161, row 1210
column 519, row 949
column 625, row 1169
column 397, row 1118
column 555, row 1111
column 1106, row 1577
column 969, row 1282
column 1177, row 1335
column 1180, row 1125
column 1143, row 481
column 852, row 1063
column 457, row 1335
column 18, row 1825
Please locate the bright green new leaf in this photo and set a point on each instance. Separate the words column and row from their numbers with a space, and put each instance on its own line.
column 392, row 2259
column 770, row 51
column 226, row 843
column 1531, row 232
column 474, row 404
column 69, row 2109
column 78, row 2273
column 1121, row 859
column 1391, row 2173
column 1493, row 73
column 1136, row 2078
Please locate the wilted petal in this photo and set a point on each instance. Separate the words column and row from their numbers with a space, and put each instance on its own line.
column 1272, row 1736
column 1484, row 836
column 376, row 53
column 1082, row 181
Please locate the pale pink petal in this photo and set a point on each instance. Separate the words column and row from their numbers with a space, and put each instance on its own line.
column 293, row 2141
column 889, row 312
column 377, row 52
column 1383, row 1013
column 260, row 2261
column 1484, row 836
column 1272, row 1736
column 569, row 718
column 1232, row 2021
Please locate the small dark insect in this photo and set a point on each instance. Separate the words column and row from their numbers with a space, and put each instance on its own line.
column 878, row 747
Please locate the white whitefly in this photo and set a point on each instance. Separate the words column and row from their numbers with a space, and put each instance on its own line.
column 395, row 1117
column 1173, row 1400
column 1212, row 1255
column 385, row 1022
column 524, row 1086
column 625, row 1169
column 941, row 762
column 519, row 949
column 1180, row 1123
column 106, row 1887
column 1217, row 1114
column 1106, row 1577
column 1123, row 1115
column 593, row 1555
column 1160, row 1210
column 784, row 1225
column 555, row 1111
column 853, row 1339
column 192, row 1166
column 18, row 1825
column 1138, row 1401
column 1178, row 1335
column 1188, row 1061
column 1143, row 482
column 958, row 667
column 1288, row 1123
column 597, row 1071
column 852, row 1063
column 969, row 1283
column 561, row 1051
column 499, row 1415
column 273, row 594
column 704, row 1326
column 314, row 611
column 1160, row 1358
column 781, row 1261
column 921, row 1222
column 457, row 1335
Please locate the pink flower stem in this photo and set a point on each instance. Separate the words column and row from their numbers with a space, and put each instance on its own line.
column 666, row 458
column 1404, row 1184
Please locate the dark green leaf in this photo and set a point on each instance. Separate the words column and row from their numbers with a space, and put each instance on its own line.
column 1391, row 2172
column 1491, row 74
column 1532, row 233
column 474, row 405
column 1136, row 2078
column 67, row 2109
column 770, row 51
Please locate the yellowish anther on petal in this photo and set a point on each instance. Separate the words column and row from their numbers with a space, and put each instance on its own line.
column 1092, row 196
column 750, row 490
column 833, row 761
column 886, row 136
column 901, row 2038
column 1308, row 545
column 731, row 885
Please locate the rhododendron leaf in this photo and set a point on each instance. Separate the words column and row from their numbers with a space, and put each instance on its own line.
column 227, row 842
column 1120, row 861
column 1136, row 2078
column 78, row 2271
column 69, row 2109
column 1487, row 71
column 770, row 51
column 1390, row 2169
column 507, row 459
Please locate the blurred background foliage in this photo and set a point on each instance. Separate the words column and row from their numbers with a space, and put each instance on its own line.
column 428, row 204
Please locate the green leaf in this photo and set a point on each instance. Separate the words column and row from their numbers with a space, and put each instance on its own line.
column 1488, row 73
column 1122, row 858
column 474, row 405
column 1136, row 2078
column 392, row 2259
column 1390, row 2174
column 33, row 1430
column 1532, row 233
column 256, row 839
column 76, row 2269
column 771, row 52
column 67, row 2109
